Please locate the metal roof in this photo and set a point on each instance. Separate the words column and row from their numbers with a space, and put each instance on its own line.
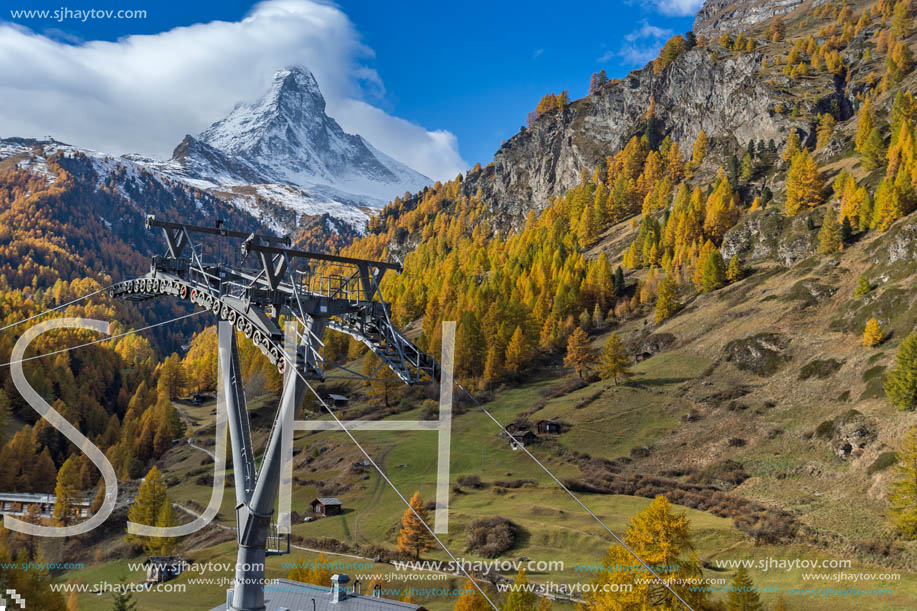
column 327, row 500
column 35, row 497
column 335, row 397
column 296, row 596
column 27, row 497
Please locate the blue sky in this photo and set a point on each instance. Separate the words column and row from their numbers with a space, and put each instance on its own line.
column 479, row 71
column 474, row 70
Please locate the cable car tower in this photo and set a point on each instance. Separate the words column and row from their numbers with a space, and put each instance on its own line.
column 314, row 291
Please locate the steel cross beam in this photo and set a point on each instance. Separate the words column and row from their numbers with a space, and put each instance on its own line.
column 289, row 283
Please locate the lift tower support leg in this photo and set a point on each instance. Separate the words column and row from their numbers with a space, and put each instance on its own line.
column 255, row 505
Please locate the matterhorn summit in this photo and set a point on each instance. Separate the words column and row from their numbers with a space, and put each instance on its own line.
column 286, row 137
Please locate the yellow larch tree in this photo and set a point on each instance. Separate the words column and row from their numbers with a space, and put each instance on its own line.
column 803, row 184
column 415, row 538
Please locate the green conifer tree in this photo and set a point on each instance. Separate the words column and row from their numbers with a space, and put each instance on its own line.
column 743, row 595
column 901, row 382
column 830, row 239
column 714, row 272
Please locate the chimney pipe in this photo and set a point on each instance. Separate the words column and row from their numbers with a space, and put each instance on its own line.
column 339, row 587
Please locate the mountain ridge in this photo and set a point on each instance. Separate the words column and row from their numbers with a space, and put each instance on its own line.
column 287, row 138
column 281, row 160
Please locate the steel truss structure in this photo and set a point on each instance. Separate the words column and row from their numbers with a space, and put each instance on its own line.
column 309, row 292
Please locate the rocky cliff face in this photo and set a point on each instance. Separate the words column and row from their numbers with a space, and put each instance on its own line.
column 736, row 16
column 724, row 97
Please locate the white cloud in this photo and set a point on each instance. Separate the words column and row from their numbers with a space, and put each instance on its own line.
column 676, row 8
column 142, row 94
column 637, row 55
column 537, row 53
column 648, row 31
column 640, row 46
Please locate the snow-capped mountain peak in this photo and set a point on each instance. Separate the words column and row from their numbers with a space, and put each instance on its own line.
column 287, row 137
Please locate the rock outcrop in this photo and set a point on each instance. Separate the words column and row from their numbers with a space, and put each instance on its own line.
column 723, row 96
column 736, row 16
column 770, row 234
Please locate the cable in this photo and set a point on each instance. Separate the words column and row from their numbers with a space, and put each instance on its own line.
column 386, row 478
column 544, row 468
column 104, row 339
column 54, row 309
column 574, row 497
column 382, row 473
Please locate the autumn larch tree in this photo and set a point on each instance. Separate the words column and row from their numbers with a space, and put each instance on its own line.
column 734, row 271
column 747, row 168
column 471, row 599
column 320, row 574
column 901, row 19
column 872, row 334
column 825, row 130
column 615, row 361
column 667, row 300
column 579, row 356
column 888, row 206
column 518, row 353
column 777, row 30
column 147, row 508
column 171, row 377
column 493, row 365
column 415, row 538
column 674, row 47
column 44, row 474
column 743, row 595
column 67, row 492
column 520, row 598
column 792, row 147
column 660, row 538
column 901, row 382
column 803, row 183
column 597, row 81
column 700, row 149
column 165, row 546
column 383, row 381
column 903, row 499
column 299, row 572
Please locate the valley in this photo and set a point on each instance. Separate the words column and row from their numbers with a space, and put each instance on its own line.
column 691, row 293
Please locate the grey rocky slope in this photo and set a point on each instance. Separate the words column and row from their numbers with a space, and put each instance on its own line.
column 724, row 97
column 736, row 16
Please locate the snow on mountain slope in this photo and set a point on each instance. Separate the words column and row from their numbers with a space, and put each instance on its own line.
column 286, row 137
column 279, row 208
column 281, row 160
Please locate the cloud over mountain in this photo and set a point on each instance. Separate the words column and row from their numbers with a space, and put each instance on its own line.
column 143, row 93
